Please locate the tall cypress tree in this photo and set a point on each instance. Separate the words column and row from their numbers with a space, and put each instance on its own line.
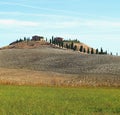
column 75, row 48
column 81, row 48
column 92, row 51
column 84, row 50
column 72, row 45
column 97, row 52
column 62, row 44
column 52, row 39
column 101, row 51
column 88, row 50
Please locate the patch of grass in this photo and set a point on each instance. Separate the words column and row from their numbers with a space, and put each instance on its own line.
column 28, row 100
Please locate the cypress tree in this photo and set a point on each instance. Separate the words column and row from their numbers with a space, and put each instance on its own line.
column 101, row 51
column 92, row 51
column 46, row 39
column 25, row 39
column 75, row 48
column 72, row 45
column 84, row 50
column 50, row 41
column 62, row 44
column 88, row 51
column 97, row 52
column 81, row 48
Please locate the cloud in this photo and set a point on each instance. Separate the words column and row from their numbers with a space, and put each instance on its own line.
column 29, row 6
column 92, row 23
column 61, row 23
column 41, row 15
column 43, row 8
column 11, row 13
column 11, row 22
column 101, row 23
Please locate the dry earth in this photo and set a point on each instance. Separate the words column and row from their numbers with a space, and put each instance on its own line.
column 54, row 66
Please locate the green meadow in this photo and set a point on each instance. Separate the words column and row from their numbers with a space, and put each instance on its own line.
column 33, row 100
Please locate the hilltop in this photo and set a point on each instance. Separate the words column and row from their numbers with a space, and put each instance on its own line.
column 56, row 42
column 25, row 45
column 60, row 42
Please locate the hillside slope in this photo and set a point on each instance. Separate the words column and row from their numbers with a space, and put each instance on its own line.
column 58, row 66
column 46, row 58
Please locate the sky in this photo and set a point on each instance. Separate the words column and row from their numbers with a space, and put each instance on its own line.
column 94, row 22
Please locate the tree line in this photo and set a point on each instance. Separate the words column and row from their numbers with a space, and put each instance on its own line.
column 69, row 45
column 73, row 47
column 21, row 40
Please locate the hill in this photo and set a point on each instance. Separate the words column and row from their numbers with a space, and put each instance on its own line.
column 59, row 66
column 57, row 42
column 25, row 45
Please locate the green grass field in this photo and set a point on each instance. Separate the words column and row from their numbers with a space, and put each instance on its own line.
column 29, row 100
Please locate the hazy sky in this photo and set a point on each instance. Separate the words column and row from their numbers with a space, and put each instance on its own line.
column 94, row 22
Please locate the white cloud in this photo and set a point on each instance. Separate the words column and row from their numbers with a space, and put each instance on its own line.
column 102, row 23
column 22, row 4
column 30, row 6
column 36, row 15
column 62, row 24
column 11, row 22
column 42, row 24
column 58, row 23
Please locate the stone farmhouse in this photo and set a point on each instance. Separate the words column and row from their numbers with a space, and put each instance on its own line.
column 58, row 39
column 37, row 38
